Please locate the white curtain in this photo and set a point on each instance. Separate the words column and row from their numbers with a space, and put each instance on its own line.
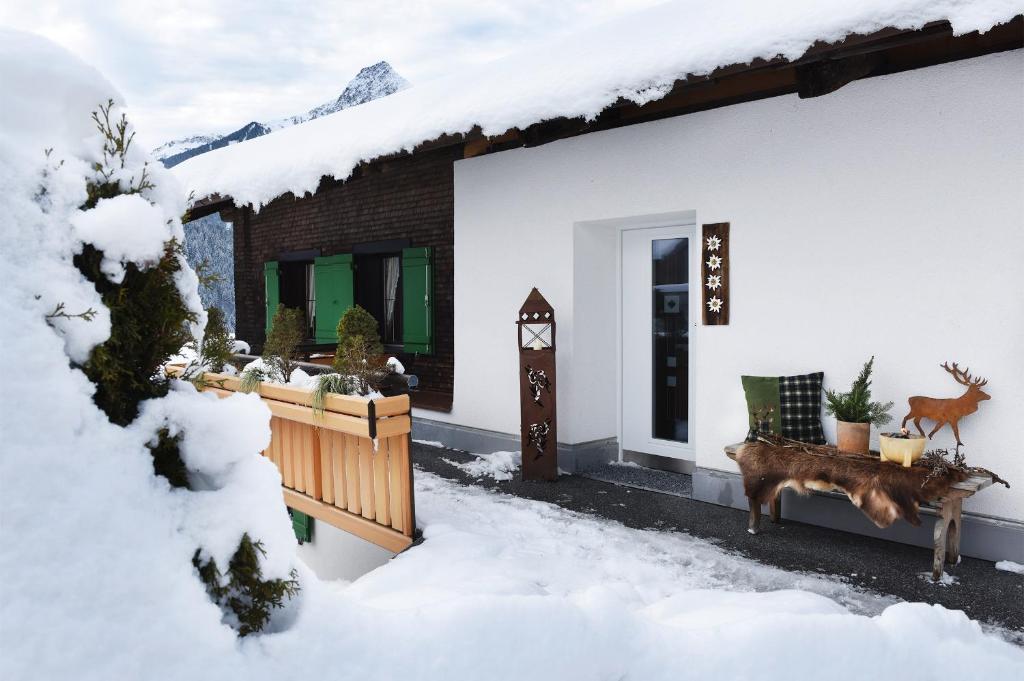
column 311, row 300
column 392, row 268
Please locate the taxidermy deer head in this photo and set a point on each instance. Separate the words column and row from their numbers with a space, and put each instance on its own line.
column 949, row 410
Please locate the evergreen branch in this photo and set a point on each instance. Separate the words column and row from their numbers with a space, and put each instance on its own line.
column 60, row 313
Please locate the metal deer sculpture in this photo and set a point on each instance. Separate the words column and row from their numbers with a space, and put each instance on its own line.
column 949, row 410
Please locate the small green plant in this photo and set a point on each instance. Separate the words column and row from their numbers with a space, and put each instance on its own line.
column 357, row 326
column 287, row 331
column 214, row 352
column 359, row 358
column 280, row 352
column 246, row 596
column 856, row 406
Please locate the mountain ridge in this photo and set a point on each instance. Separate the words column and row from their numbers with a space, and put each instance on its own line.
column 372, row 82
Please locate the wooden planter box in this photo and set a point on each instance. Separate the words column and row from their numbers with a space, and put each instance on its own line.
column 347, row 466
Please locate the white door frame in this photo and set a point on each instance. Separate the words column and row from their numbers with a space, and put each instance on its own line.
column 684, row 222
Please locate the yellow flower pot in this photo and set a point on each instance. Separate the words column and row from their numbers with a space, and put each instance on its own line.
column 901, row 450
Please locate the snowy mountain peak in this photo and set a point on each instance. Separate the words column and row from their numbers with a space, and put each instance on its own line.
column 372, row 82
column 182, row 145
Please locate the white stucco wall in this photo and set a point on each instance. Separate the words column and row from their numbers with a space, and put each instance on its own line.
column 884, row 219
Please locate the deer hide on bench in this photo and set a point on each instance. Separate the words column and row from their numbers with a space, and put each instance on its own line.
column 884, row 491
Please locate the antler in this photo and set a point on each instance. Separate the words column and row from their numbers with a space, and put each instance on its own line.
column 963, row 377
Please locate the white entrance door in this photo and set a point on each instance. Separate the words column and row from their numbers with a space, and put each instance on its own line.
column 657, row 320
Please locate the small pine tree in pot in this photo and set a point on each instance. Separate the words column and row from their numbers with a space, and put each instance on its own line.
column 855, row 412
column 360, row 353
column 280, row 352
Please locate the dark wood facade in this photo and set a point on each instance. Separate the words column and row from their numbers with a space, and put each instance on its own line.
column 408, row 199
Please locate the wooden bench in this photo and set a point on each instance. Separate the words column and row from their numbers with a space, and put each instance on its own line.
column 949, row 508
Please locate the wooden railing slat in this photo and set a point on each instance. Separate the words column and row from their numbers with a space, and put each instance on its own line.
column 395, row 482
column 286, row 453
column 326, row 465
column 338, row 454
column 380, row 483
column 275, row 441
column 298, row 454
column 314, row 479
column 352, row 474
column 405, row 485
column 366, row 478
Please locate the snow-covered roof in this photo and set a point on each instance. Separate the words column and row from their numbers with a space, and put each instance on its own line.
column 638, row 58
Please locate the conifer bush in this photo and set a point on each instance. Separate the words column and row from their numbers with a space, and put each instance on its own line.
column 360, row 350
column 358, row 327
column 281, row 350
column 214, row 351
column 150, row 322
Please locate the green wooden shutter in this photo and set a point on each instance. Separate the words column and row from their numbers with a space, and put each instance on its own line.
column 302, row 524
column 332, row 277
column 272, row 292
column 418, row 300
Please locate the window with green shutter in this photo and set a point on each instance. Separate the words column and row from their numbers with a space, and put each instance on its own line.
column 272, row 291
column 417, row 300
column 334, row 294
column 302, row 524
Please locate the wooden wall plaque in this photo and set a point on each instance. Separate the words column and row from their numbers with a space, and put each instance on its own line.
column 714, row 268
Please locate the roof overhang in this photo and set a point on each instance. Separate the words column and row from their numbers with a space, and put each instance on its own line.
column 823, row 68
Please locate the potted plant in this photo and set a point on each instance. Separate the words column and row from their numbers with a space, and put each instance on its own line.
column 855, row 412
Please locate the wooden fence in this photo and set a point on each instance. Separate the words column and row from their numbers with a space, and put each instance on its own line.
column 347, row 466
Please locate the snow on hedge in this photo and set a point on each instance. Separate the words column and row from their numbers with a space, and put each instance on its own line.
column 637, row 57
column 96, row 556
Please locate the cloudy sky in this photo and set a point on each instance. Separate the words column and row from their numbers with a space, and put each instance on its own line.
column 208, row 66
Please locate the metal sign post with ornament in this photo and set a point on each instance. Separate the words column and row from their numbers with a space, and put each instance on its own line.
column 539, row 423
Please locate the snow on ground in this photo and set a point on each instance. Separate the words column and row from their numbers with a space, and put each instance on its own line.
column 507, row 588
column 497, row 465
column 636, row 57
column 1010, row 566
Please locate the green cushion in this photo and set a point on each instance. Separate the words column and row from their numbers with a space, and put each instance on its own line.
column 761, row 392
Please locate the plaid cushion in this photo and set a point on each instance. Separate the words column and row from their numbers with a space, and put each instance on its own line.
column 800, row 407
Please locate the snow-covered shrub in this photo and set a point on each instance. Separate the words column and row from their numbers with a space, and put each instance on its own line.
column 150, row 321
column 142, row 471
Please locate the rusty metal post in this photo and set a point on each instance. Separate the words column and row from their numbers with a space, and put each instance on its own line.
column 539, row 423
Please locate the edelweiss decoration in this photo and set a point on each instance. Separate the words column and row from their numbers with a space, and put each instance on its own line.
column 538, row 436
column 538, row 382
column 715, row 273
